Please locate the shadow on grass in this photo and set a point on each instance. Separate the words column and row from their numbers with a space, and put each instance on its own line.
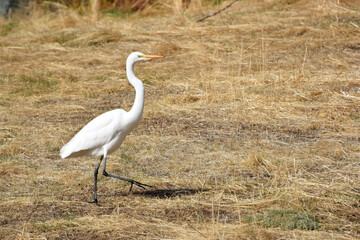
column 165, row 193
column 169, row 193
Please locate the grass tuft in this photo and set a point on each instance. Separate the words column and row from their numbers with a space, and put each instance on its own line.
column 287, row 219
column 7, row 28
column 118, row 13
column 39, row 84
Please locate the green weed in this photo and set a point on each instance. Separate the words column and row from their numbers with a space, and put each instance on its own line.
column 118, row 13
column 6, row 29
column 38, row 84
column 288, row 219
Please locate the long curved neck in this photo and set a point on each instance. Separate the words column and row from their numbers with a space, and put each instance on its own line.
column 137, row 109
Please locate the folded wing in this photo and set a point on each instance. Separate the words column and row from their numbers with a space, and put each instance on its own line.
column 93, row 136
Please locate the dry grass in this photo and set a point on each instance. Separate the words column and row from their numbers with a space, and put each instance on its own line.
column 253, row 110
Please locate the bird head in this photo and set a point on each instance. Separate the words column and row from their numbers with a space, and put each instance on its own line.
column 138, row 56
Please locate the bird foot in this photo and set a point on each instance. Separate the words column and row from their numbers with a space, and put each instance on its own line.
column 95, row 201
column 142, row 185
column 139, row 184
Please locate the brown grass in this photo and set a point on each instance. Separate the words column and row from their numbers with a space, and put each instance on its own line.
column 252, row 110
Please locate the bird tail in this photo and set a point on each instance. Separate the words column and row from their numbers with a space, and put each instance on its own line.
column 63, row 152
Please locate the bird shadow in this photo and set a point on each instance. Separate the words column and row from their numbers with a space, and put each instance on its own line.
column 168, row 193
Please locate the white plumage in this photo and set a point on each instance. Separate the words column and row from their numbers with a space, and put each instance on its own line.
column 105, row 133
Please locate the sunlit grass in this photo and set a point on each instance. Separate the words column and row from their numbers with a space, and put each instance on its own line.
column 250, row 127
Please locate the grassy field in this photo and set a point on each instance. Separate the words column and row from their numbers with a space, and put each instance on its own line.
column 251, row 126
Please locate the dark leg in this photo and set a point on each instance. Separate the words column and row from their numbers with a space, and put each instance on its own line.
column 95, row 177
column 142, row 185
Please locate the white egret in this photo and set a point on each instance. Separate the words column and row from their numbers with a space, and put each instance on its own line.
column 105, row 133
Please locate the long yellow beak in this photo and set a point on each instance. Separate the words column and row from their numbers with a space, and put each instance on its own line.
column 151, row 56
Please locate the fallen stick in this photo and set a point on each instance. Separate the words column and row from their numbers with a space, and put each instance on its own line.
column 217, row 12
